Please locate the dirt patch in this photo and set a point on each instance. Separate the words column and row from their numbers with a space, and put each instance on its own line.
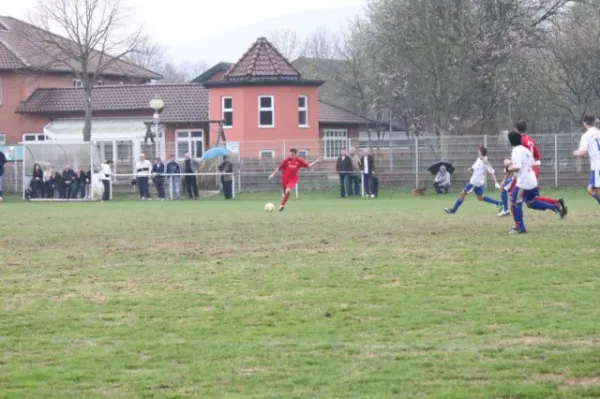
column 392, row 284
column 368, row 277
column 252, row 371
column 522, row 341
column 561, row 379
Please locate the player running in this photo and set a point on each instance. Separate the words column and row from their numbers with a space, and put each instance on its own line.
column 556, row 205
column 480, row 168
column 590, row 145
column 290, row 167
column 521, row 164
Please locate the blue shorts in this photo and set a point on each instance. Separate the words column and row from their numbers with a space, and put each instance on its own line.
column 528, row 195
column 471, row 188
column 595, row 178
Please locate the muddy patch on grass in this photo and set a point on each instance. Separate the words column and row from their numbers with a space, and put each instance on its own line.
column 561, row 379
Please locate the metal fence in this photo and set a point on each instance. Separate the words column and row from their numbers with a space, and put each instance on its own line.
column 400, row 163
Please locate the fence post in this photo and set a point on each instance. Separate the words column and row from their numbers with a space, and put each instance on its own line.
column 296, row 189
column 485, row 144
column 555, row 160
column 233, row 185
column 416, row 162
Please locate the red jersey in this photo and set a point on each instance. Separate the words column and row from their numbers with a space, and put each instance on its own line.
column 290, row 167
column 528, row 142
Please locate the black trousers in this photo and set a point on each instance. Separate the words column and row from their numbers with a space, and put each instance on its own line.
column 106, row 193
column 227, row 188
column 191, row 185
column 159, row 183
column 143, row 187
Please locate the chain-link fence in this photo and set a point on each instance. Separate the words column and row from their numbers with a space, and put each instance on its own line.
column 403, row 163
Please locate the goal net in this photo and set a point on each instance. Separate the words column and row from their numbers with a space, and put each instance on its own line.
column 69, row 171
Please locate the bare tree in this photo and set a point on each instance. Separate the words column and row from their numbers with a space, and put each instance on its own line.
column 286, row 41
column 148, row 54
column 97, row 34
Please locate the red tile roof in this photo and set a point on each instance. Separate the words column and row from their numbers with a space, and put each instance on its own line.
column 18, row 51
column 262, row 60
column 183, row 102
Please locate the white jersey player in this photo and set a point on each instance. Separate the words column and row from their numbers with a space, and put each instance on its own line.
column 590, row 145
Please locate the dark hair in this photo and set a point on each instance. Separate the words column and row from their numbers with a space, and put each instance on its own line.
column 514, row 138
column 483, row 150
column 109, row 162
column 590, row 120
column 294, row 151
column 521, row 126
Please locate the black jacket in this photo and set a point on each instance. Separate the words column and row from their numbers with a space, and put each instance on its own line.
column 68, row 175
column 226, row 167
column 344, row 165
column 2, row 162
column 370, row 163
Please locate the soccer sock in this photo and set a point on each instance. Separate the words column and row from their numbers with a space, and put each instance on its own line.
column 457, row 204
column 551, row 201
column 518, row 216
column 541, row 205
column 491, row 200
column 596, row 197
column 504, row 198
column 285, row 198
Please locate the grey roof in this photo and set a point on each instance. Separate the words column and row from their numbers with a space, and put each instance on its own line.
column 329, row 113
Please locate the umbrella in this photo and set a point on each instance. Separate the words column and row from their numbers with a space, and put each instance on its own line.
column 215, row 152
column 435, row 168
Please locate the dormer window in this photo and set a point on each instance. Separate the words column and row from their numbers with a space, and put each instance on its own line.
column 77, row 83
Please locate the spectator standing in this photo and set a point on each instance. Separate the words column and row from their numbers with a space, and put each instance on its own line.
column 441, row 184
column 227, row 180
column 106, row 177
column 158, row 178
column 354, row 179
column 343, row 167
column 174, row 170
column 189, row 166
column 68, row 178
column 367, row 165
column 2, row 163
column 37, row 181
column 143, row 170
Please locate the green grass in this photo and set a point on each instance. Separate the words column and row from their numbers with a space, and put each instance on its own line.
column 334, row 298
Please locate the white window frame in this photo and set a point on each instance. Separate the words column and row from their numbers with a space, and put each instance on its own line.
column 261, row 152
column 1, row 90
column 189, row 140
column 303, row 156
column 271, row 109
column 99, row 83
column 224, row 110
column 2, row 138
column 303, row 109
column 36, row 136
column 77, row 83
column 331, row 136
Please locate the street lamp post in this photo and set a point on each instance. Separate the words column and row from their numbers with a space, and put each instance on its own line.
column 157, row 105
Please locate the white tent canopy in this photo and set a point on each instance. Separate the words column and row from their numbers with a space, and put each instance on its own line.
column 103, row 129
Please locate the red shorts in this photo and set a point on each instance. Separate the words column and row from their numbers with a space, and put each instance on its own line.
column 291, row 184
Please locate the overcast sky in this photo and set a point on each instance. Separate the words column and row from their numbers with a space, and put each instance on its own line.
column 177, row 23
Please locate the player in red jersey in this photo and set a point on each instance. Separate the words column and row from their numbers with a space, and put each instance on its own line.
column 290, row 167
column 526, row 141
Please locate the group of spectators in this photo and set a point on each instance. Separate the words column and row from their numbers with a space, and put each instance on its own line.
column 176, row 174
column 350, row 166
column 52, row 183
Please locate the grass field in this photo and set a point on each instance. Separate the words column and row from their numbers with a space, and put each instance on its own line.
column 332, row 299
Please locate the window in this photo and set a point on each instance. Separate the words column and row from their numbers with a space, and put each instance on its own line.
column 189, row 141
column 303, row 111
column 227, row 111
column 266, row 112
column 34, row 137
column 99, row 83
column 0, row 91
column 334, row 140
column 2, row 139
column 266, row 154
column 303, row 154
column 77, row 83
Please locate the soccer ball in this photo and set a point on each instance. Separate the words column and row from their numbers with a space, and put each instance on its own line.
column 269, row 207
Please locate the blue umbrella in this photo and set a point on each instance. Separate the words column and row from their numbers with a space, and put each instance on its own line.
column 215, row 152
